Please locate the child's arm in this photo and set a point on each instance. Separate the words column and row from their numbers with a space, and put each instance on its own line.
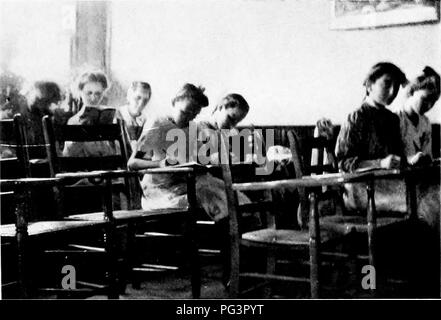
column 137, row 163
column 146, row 146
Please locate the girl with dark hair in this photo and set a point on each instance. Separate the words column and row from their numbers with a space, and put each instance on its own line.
column 43, row 98
column 370, row 138
column 166, row 190
column 232, row 109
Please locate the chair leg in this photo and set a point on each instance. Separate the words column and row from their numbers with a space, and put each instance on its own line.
column 111, row 273
column 195, row 270
column 270, row 269
column 193, row 253
column 352, row 258
column 372, row 224
column 132, row 257
column 314, row 246
column 222, row 227
column 21, row 237
column 190, row 235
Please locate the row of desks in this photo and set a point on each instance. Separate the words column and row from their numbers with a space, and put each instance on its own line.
column 410, row 175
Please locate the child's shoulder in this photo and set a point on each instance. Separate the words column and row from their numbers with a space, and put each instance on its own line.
column 360, row 113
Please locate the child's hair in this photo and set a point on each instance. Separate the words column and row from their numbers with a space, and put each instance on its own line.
column 50, row 91
column 140, row 84
column 190, row 91
column 381, row 68
column 428, row 79
column 233, row 100
column 92, row 76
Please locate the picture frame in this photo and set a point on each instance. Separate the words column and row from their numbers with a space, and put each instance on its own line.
column 371, row 14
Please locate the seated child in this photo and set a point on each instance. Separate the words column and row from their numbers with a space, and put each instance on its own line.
column 153, row 149
column 138, row 96
column 416, row 134
column 91, row 86
column 370, row 138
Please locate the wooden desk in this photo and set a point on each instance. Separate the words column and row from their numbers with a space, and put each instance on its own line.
column 410, row 175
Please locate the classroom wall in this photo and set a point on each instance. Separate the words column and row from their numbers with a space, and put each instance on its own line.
column 281, row 55
column 35, row 39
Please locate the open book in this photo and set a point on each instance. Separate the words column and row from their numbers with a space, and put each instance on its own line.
column 98, row 115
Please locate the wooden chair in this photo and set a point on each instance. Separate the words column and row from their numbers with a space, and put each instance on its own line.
column 32, row 235
column 322, row 160
column 19, row 157
column 129, row 219
column 19, row 160
column 46, row 212
column 113, row 134
column 271, row 240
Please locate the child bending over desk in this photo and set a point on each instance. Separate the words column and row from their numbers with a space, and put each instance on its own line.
column 416, row 133
column 170, row 190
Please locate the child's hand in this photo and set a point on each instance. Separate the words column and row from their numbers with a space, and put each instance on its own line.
column 390, row 162
column 325, row 128
column 420, row 158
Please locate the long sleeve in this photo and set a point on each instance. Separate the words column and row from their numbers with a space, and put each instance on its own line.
column 426, row 139
column 370, row 133
column 350, row 144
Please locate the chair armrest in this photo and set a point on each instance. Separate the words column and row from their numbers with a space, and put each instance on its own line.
column 28, row 182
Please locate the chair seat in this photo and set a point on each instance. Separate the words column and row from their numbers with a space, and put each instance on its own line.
column 285, row 237
column 345, row 224
column 46, row 227
column 123, row 215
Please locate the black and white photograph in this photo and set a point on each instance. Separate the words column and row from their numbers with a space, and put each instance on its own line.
column 249, row 151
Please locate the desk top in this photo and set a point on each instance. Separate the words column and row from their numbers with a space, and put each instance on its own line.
column 30, row 182
column 339, row 178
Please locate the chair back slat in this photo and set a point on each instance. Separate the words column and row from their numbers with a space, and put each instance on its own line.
column 114, row 134
column 57, row 135
column 7, row 133
column 10, row 168
column 7, row 207
column 73, row 164
column 82, row 133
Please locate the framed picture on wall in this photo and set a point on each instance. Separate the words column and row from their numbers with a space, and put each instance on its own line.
column 367, row 14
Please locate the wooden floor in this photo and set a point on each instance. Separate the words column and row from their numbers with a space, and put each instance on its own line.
column 176, row 285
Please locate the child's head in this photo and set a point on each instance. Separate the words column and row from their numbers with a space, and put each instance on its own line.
column 42, row 95
column 91, row 86
column 424, row 91
column 138, row 95
column 383, row 82
column 231, row 110
column 188, row 103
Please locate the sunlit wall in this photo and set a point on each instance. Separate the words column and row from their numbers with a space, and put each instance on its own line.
column 35, row 39
column 281, row 55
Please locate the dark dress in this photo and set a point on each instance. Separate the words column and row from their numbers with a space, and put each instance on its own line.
column 371, row 133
